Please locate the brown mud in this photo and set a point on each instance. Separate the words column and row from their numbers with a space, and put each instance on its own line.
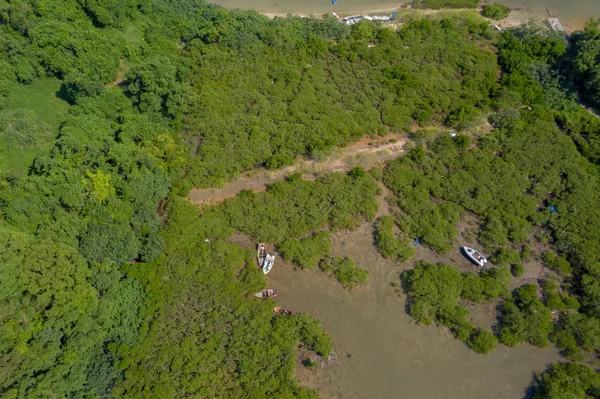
column 381, row 351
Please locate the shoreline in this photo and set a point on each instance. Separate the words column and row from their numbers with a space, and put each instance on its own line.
column 517, row 16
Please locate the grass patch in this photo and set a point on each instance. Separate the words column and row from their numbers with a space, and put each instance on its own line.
column 40, row 97
column 31, row 117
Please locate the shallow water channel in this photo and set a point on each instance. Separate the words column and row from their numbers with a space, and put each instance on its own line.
column 381, row 352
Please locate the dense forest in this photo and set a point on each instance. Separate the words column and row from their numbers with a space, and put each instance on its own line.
column 113, row 285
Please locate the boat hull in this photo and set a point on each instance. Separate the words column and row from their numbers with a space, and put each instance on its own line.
column 269, row 293
column 261, row 252
column 474, row 256
column 268, row 263
column 283, row 312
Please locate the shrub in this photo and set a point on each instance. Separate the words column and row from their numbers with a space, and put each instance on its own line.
column 490, row 284
column 496, row 282
column 457, row 320
column 432, row 290
column 462, row 141
column 482, row 341
column 558, row 300
column 309, row 363
column 462, row 117
column 568, row 380
column 505, row 256
column 513, row 325
column 558, row 263
column 312, row 335
column 349, row 275
column 388, row 245
column 517, row 269
column 525, row 319
column 376, row 173
column 495, row 11
column 423, row 137
column 308, row 251
column 472, row 287
column 438, row 4
column 344, row 270
column 577, row 334
column 295, row 208
column 434, row 222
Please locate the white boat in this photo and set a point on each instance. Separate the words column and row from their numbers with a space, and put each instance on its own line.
column 475, row 256
column 356, row 18
column 352, row 20
column 268, row 263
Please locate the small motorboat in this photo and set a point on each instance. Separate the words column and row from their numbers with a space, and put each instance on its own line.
column 283, row 311
column 268, row 293
column 261, row 252
column 268, row 263
column 334, row 2
column 475, row 256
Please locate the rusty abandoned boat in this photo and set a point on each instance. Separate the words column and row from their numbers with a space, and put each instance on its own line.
column 268, row 293
column 283, row 311
column 261, row 252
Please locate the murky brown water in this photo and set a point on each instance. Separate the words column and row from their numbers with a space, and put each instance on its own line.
column 573, row 13
column 391, row 356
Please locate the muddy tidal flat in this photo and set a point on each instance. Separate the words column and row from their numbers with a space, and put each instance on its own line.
column 381, row 352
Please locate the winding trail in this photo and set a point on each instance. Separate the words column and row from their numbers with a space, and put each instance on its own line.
column 365, row 153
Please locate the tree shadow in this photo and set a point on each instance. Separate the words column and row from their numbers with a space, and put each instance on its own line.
column 499, row 317
column 530, row 389
column 63, row 94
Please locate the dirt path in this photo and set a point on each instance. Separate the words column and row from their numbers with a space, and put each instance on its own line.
column 123, row 68
column 365, row 153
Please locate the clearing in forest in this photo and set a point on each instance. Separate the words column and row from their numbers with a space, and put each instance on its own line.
column 365, row 153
